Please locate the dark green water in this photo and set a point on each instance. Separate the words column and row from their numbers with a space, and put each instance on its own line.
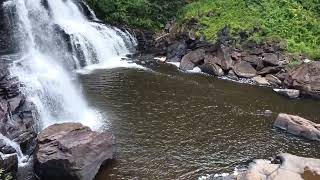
column 172, row 125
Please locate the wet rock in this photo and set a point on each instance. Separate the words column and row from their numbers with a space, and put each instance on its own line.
column 176, row 51
column 271, row 59
column 290, row 93
column 71, row 151
column 270, row 70
column 186, row 65
column 254, row 60
column 211, row 59
column 9, row 163
column 16, row 102
column 196, row 56
column 212, row 69
column 298, row 126
column 244, row 69
column 306, row 78
column 224, row 54
column 192, row 59
column 291, row 167
column 232, row 75
column 24, row 138
column 273, row 80
column 261, row 80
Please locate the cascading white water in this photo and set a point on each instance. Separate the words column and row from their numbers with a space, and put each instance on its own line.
column 22, row 158
column 55, row 41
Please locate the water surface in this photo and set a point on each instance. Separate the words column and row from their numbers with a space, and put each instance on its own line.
column 173, row 125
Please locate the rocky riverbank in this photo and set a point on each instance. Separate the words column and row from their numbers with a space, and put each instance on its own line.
column 264, row 64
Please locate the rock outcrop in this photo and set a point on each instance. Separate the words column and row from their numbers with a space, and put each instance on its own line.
column 71, row 151
column 298, row 126
column 17, row 118
column 306, row 78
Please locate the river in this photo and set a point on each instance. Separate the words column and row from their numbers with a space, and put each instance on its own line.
column 174, row 125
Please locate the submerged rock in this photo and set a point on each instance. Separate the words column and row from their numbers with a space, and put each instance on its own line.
column 298, row 126
column 290, row 93
column 71, row 151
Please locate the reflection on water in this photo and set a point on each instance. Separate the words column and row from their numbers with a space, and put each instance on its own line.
column 171, row 125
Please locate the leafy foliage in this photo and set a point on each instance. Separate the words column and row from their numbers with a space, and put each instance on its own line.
column 5, row 176
column 148, row 14
column 295, row 21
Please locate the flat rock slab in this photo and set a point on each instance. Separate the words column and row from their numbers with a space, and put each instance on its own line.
column 291, row 168
column 71, row 151
column 298, row 126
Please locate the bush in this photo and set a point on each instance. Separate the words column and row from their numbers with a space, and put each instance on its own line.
column 295, row 21
column 147, row 14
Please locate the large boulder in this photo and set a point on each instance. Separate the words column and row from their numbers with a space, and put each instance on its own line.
column 244, row 69
column 298, row 126
column 71, row 151
column 271, row 59
column 254, row 60
column 290, row 167
column 192, row 59
column 306, row 78
column 212, row 69
column 224, row 54
column 176, row 51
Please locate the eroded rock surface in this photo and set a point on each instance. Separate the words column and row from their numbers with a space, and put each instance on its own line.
column 298, row 126
column 71, row 151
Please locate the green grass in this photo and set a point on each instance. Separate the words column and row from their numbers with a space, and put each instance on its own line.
column 293, row 21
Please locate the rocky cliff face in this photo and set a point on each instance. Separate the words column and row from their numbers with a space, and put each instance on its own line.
column 17, row 115
column 7, row 42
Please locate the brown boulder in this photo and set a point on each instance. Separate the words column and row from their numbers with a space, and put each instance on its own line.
column 212, row 69
column 192, row 59
column 273, row 79
column 271, row 59
column 291, row 168
column 211, row 59
column 270, row 70
column 306, row 78
column 298, row 126
column 224, row 55
column 254, row 60
column 244, row 69
column 71, row 151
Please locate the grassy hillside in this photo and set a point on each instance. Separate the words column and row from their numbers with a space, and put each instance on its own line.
column 297, row 22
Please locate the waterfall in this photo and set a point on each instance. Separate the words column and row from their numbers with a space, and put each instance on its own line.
column 56, row 40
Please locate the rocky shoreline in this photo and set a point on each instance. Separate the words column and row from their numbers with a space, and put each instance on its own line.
column 264, row 64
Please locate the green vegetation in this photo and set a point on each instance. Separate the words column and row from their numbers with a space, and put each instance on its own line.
column 148, row 14
column 5, row 176
column 295, row 21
